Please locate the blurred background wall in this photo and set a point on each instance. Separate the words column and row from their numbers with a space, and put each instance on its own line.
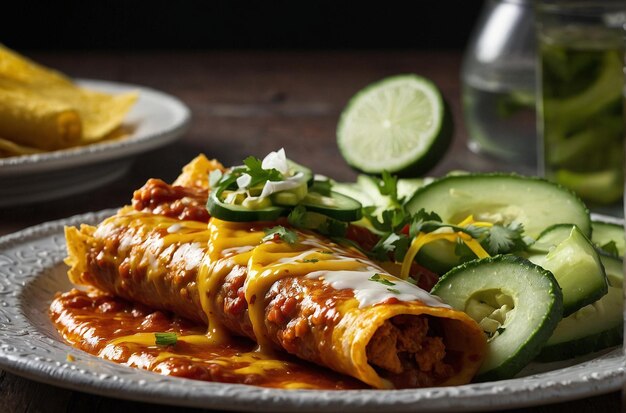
column 304, row 24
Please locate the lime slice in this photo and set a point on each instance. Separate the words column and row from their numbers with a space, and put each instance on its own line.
column 399, row 124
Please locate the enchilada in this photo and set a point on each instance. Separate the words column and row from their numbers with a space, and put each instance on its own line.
column 307, row 296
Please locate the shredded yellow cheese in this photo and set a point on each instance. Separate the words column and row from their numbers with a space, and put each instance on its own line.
column 425, row 238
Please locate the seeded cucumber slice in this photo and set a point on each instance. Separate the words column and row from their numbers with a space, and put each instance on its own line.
column 575, row 264
column 594, row 327
column 516, row 301
column 502, row 198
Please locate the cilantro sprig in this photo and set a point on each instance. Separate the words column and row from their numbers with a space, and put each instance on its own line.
column 258, row 174
column 252, row 166
column 398, row 227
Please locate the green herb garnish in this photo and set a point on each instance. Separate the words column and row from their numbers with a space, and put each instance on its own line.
column 311, row 260
column 393, row 290
column 379, row 279
column 504, row 239
column 258, row 174
column 287, row 235
column 165, row 339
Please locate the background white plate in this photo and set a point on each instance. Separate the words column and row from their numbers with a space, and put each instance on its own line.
column 157, row 119
column 31, row 272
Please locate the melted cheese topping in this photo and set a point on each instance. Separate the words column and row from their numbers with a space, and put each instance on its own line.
column 217, row 249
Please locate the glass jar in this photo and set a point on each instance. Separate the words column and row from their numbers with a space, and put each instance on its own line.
column 581, row 99
column 498, row 78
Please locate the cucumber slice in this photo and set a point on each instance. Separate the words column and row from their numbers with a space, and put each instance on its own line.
column 605, row 232
column 365, row 190
column 594, row 327
column 399, row 124
column 240, row 213
column 408, row 186
column 337, row 206
column 503, row 198
column 516, row 301
column 290, row 197
column 353, row 190
column 370, row 187
column 574, row 262
column 296, row 167
column 438, row 256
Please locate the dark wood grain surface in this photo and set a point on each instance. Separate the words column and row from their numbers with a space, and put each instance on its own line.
column 242, row 104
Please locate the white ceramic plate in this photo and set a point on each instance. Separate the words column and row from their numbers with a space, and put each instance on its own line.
column 31, row 272
column 157, row 119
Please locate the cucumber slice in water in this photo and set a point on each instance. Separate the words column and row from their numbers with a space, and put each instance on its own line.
column 575, row 263
column 399, row 124
column 594, row 327
column 502, row 198
column 515, row 301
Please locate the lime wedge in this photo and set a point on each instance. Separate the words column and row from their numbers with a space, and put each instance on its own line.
column 399, row 124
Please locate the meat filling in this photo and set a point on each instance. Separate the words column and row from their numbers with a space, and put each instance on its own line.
column 172, row 201
column 405, row 351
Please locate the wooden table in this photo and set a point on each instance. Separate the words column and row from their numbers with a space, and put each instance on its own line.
column 242, row 103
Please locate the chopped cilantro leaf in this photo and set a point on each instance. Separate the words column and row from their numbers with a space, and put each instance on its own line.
column 287, row 235
column 504, row 239
column 379, row 279
column 394, row 290
column 297, row 216
column 165, row 339
column 396, row 243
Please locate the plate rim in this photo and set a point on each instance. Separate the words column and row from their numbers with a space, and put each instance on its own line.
column 146, row 386
column 106, row 150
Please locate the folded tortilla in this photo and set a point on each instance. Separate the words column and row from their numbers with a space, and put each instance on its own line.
column 27, row 119
column 40, row 108
column 320, row 301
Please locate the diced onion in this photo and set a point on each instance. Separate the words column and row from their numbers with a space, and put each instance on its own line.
column 271, row 187
column 244, row 180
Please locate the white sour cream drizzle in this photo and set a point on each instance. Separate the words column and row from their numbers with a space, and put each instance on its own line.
column 174, row 228
column 369, row 292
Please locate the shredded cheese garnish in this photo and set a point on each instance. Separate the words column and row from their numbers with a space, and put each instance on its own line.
column 425, row 238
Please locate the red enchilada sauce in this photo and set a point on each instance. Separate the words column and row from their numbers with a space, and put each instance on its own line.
column 123, row 332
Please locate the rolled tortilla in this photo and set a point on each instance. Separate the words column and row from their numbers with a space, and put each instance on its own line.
column 29, row 120
column 313, row 299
